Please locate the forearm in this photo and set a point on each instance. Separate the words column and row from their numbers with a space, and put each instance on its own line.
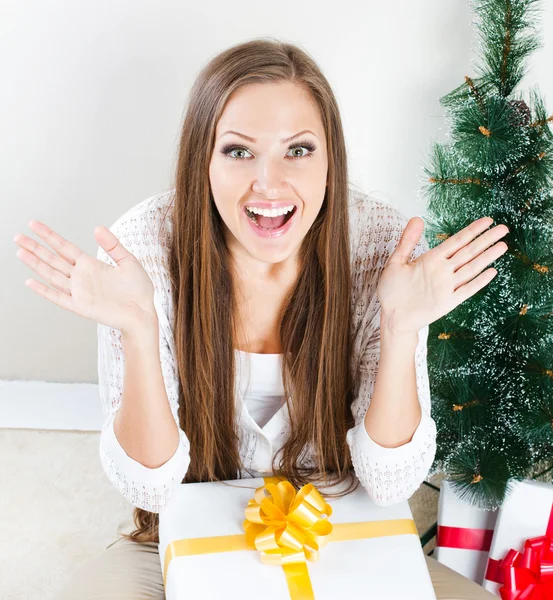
column 144, row 424
column 394, row 412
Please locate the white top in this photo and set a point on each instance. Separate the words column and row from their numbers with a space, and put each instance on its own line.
column 261, row 384
column 389, row 475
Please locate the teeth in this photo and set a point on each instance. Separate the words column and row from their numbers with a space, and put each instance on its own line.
column 274, row 212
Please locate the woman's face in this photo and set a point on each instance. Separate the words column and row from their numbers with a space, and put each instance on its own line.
column 266, row 169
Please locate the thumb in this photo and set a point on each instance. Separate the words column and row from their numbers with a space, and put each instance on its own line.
column 111, row 245
column 409, row 238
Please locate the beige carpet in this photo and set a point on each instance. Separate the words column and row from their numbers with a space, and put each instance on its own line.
column 57, row 509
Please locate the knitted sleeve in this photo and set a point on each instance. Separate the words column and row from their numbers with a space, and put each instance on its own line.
column 146, row 488
column 389, row 475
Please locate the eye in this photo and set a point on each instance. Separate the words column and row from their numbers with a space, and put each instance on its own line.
column 228, row 150
column 307, row 146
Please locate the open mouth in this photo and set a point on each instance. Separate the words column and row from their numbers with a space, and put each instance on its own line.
column 270, row 223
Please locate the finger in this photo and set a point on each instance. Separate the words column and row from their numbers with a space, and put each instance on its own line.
column 475, row 266
column 53, row 276
column 54, row 296
column 464, row 236
column 475, row 248
column 469, row 289
column 111, row 245
column 54, row 260
column 63, row 247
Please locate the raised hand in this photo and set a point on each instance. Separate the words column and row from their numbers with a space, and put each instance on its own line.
column 118, row 297
column 415, row 293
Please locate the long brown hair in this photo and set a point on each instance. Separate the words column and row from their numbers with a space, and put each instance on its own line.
column 315, row 322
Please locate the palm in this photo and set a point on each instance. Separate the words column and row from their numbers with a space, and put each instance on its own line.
column 106, row 294
column 415, row 293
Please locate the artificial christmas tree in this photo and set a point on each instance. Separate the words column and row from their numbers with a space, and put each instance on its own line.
column 490, row 360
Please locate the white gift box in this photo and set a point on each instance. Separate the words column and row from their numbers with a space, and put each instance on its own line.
column 525, row 513
column 464, row 534
column 199, row 561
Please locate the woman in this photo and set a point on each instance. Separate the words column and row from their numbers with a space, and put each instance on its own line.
column 194, row 282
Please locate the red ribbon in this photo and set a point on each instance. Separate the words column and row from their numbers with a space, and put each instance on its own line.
column 527, row 575
column 464, row 538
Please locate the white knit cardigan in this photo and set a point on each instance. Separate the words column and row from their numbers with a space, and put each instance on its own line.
column 389, row 475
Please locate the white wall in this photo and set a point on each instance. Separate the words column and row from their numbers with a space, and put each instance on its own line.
column 92, row 102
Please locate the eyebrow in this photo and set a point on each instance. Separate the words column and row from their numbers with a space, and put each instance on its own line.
column 283, row 141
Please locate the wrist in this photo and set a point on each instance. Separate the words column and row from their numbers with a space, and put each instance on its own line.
column 145, row 328
column 389, row 329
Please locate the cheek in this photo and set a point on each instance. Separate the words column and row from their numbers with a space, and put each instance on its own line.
column 313, row 205
column 220, row 172
column 227, row 178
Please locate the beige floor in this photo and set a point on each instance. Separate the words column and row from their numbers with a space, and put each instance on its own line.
column 57, row 508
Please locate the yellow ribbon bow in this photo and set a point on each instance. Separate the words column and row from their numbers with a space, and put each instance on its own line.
column 288, row 526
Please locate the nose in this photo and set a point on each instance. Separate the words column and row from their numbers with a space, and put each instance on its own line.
column 269, row 181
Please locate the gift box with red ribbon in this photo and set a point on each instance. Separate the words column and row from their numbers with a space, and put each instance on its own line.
column 262, row 538
column 520, row 563
column 464, row 534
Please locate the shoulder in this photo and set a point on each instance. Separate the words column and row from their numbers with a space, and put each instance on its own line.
column 145, row 221
column 376, row 229
column 144, row 228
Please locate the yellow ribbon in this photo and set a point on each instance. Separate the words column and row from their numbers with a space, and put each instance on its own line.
column 287, row 528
